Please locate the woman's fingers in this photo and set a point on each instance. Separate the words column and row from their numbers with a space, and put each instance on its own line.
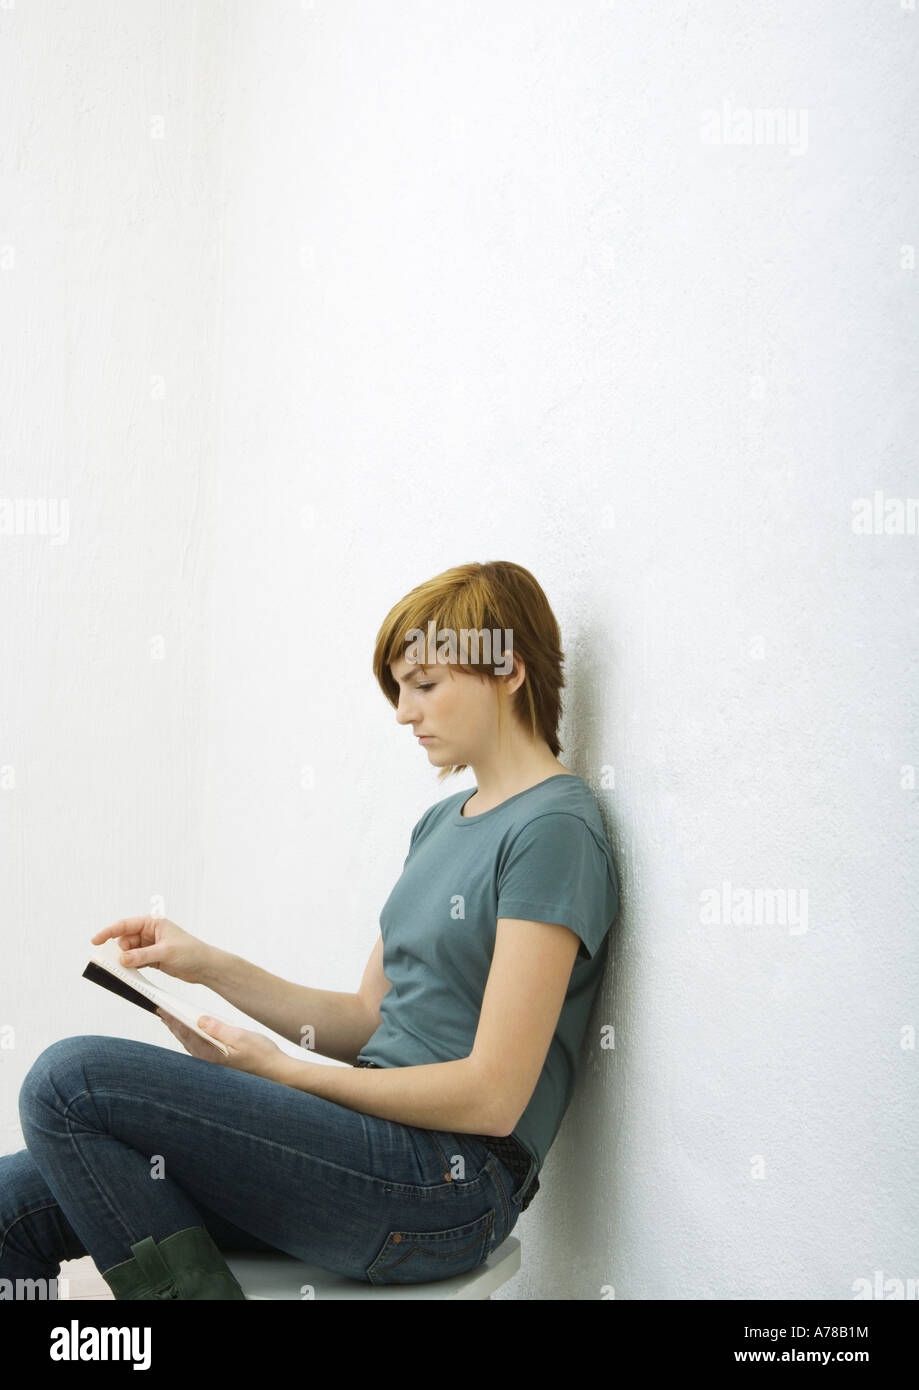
column 129, row 927
column 139, row 956
column 187, row 1037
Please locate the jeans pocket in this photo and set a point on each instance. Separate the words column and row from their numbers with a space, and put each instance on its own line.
column 418, row 1257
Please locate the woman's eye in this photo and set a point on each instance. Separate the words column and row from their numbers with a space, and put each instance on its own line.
column 429, row 686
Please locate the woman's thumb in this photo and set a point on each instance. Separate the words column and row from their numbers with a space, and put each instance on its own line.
column 141, row 955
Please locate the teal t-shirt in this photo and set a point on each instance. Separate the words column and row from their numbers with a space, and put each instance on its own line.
column 542, row 855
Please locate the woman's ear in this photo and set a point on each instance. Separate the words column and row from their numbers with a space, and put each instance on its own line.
column 514, row 680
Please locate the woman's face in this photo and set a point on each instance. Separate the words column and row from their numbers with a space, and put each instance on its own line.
column 458, row 710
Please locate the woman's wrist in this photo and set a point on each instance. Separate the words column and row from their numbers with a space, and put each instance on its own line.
column 285, row 1070
column 213, row 969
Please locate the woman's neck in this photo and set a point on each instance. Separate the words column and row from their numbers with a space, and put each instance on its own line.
column 491, row 791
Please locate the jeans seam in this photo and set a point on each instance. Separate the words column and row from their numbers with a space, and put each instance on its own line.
column 248, row 1134
column 444, row 1159
column 46, row 1206
column 128, row 1231
column 63, row 1107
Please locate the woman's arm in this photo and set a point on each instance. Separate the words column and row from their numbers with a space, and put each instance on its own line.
column 438, row 1095
column 340, row 1023
column 333, row 1023
column 488, row 1091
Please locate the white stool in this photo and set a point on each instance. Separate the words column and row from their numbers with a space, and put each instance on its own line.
column 268, row 1276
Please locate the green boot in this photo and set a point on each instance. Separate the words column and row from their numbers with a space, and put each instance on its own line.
column 185, row 1265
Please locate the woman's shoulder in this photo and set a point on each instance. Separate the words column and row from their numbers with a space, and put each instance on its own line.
column 445, row 807
column 562, row 793
column 561, row 801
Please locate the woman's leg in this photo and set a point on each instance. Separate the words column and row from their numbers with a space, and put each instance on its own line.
column 35, row 1235
column 137, row 1141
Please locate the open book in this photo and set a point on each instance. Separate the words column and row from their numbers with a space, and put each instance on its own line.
column 105, row 969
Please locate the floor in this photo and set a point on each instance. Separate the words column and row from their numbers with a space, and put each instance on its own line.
column 83, row 1280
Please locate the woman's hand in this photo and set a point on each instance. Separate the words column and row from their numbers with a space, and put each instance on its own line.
column 251, row 1052
column 158, row 942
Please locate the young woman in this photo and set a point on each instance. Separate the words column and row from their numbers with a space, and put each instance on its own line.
column 414, row 1162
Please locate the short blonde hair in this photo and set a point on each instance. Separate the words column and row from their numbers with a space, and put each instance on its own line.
column 497, row 595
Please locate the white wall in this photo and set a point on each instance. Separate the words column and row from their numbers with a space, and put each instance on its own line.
column 472, row 281
column 108, row 402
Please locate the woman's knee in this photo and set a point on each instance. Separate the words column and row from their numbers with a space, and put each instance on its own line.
column 58, row 1074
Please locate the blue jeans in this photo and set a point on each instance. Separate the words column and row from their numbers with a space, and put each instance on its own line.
column 126, row 1140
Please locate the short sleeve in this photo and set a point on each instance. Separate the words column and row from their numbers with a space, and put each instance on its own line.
column 416, row 831
column 411, row 843
column 556, row 871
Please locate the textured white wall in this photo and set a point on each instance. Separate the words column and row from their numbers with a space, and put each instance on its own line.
column 476, row 281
